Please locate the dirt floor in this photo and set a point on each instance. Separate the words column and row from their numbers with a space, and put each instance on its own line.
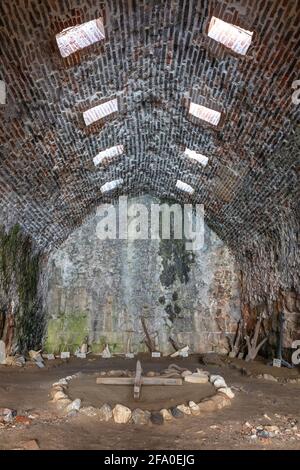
column 152, row 398
column 258, row 403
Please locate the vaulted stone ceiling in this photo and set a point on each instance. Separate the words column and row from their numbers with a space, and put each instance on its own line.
column 155, row 58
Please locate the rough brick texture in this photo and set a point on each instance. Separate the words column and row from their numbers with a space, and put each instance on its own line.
column 155, row 58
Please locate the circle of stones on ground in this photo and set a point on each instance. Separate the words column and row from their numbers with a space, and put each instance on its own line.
column 121, row 414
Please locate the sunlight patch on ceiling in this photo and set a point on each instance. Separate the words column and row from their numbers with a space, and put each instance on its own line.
column 78, row 37
column 231, row 36
column 111, row 152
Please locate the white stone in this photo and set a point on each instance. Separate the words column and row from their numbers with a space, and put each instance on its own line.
column 194, row 408
column 90, row 411
column 140, row 416
column 227, row 391
column 166, row 414
column 269, row 377
column 185, row 373
column 105, row 412
column 220, row 383
column 59, row 395
column 184, row 408
column 62, row 404
column 121, row 414
column 213, row 378
column 65, row 355
column 74, row 406
column 196, row 378
column 2, row 353
column 203, row 372
column 62, row 382
column 106, row 352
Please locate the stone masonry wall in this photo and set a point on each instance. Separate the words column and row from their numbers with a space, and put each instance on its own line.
column 100, row 289
column 21, row 319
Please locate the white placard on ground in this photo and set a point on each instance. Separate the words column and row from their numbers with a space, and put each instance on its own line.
column 129, row 355
column 155, row 354
column 50, row 357
column 184, row 354
column 276, row 362
column 81, row 355
column 65, row 355
column 241, row 355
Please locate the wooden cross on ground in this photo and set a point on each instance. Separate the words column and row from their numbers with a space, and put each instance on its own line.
column 138, row 381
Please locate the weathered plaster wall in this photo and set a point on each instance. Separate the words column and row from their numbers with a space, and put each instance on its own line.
column 21, row 320
column 100, row 289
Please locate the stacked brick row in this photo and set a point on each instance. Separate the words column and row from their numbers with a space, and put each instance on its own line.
column 155, row 58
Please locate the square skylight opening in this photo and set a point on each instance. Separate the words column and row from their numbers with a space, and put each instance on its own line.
column 196, row 156
column 205, row 114
column 184, row 187
column 78, row 37
column 100, row 111
column 111, row 152
column 111, row 185
column 231, row 36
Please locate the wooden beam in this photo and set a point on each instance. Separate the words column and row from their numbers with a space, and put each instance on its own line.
column 161, row 381
column 115, row 380
column 137, row 381
column 144, row 381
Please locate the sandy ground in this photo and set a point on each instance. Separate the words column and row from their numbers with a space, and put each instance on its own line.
column 257, row 402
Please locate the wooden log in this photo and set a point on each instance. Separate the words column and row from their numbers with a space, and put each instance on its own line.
column 144, row 381
column 137, row 381
column 161, row 381
column 252, row 345
column 115, row 380
column 148, row 341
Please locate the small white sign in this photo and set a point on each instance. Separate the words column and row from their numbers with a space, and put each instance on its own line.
column 276, row 362
column 241, row 355
column 2, row 92
column 129, row 355
column 65, row 355
column 50, row 357
column 81, row 355
column 184, row 354
column 155, row 354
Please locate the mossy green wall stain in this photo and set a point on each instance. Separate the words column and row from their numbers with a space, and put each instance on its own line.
column 66, row 333
column 19, row 278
